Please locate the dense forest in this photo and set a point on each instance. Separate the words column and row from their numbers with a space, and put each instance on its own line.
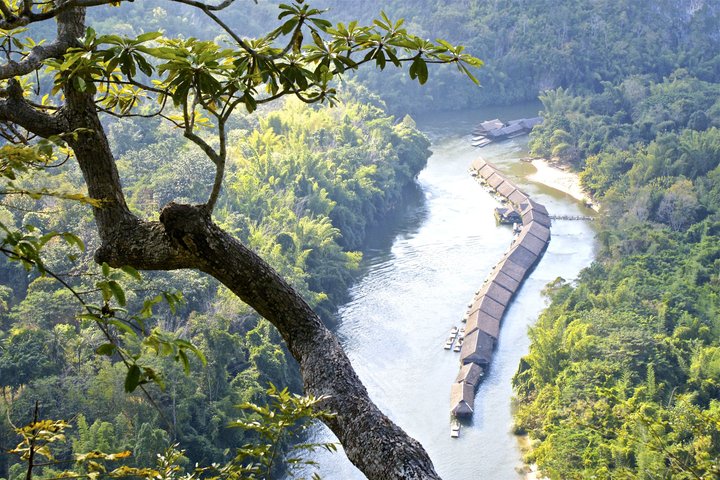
column 303, row 186
column 528, row 46
column 272, row 206
column 623, row 375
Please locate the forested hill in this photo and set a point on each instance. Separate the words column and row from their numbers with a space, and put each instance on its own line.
column 623, row 375
column 533, row 45
column 528, row 45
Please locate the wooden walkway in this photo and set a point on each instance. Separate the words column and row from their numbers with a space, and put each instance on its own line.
column 571, row 217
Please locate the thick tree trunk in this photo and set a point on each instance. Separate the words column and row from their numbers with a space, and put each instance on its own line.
column 186, row 237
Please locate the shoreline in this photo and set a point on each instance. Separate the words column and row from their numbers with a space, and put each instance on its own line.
column 559, row 178
column 529, row 471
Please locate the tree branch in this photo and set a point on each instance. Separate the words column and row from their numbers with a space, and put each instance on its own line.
column 6, row 13
column 187, row 238
column 27, row 16
column 33, row 60
column 15, row 109
column 243, row 44
column 205, row 6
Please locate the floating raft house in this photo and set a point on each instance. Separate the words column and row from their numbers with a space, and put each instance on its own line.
column 487, row 309
column 495, row 130
column 463, row 398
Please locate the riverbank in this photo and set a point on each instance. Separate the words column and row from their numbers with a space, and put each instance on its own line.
column 529, row 471
column 559, row 177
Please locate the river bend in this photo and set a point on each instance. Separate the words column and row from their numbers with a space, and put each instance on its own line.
column 419, row 272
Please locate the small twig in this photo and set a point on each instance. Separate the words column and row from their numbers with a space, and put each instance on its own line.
column 31, row 443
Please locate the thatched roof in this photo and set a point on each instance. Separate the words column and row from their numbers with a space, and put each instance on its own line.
column 533, row 215
column 479, row 320
column 488, row 125
column 495, row 180
column 505, row 281
column 512, row 269
column 507, row 215
column 517, row 197
column 470, row 373
column 533, row 205
column 531, row 122
column 478, row 163
column 487, row 171
column 537, row 230
column 477, row 348
column 488, row 305
column 526, row 123
column 462, row 399
column 511, row 129
column 522, row 256
column 504, row 211
column 506, row 188
column 531, row 242
column 496, row 292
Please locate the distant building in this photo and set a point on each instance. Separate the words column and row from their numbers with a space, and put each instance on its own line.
column 462, row 399
column 495, row 130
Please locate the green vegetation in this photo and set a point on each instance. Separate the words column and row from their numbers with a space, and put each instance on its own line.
column 622, row 378
column 530, row 46
column 284, row 419
column 271, row 206
column 302, row 186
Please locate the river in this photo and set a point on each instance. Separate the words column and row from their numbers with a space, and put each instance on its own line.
column 419, row 272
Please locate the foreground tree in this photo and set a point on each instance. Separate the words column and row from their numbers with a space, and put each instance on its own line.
column 197, row 85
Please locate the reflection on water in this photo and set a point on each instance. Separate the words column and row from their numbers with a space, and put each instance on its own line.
column 419, row 273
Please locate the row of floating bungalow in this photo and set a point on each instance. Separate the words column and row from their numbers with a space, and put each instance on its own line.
column 495, row 130
column 486, row 311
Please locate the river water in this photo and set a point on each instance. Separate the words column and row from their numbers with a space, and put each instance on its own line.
column 419, row 272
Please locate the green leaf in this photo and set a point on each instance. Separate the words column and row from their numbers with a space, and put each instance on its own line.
column 106, row 349
column 73, row 239
column 132, row 379
column 146, row 37
column 90, row 316
column 132, row 272
column 122, row 326
column 79, row 84
column 422, row 71
column 117, row 292
column 288, row 26
column 182, row 356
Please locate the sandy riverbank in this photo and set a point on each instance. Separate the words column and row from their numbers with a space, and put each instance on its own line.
column 559, row 178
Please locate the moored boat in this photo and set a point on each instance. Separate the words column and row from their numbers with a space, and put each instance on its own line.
column 454, row 428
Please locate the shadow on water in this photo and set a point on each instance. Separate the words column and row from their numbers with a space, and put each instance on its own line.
column 405, row 219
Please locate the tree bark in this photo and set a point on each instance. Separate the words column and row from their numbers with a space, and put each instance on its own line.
column 186, row 237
